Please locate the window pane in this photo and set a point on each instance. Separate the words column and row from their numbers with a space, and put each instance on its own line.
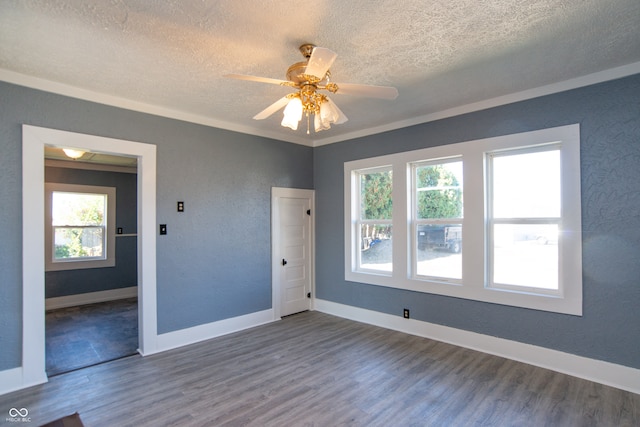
column 78, row 242
column 78, row 208
column 527, row 185
column 375, row 195
column 526, row 255
column 439, row 251
column 375, row 247
column 439, row 191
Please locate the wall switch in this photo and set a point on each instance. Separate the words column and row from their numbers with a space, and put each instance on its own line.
column 163, row 229
column 406, row 313
column 180, row 206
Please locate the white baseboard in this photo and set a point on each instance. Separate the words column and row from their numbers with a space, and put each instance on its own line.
column 207, row 331
column 14, row 379
column 10, row 380
column 90, row 298
column 611, row 374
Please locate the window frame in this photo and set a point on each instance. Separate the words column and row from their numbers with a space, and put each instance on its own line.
column 373, row 221
column 416, row 222
column 475, row 257
column 492, row 221
column 109, row 259
column 356, row 220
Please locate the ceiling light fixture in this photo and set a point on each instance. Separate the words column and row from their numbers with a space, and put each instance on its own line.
column 307, row 101
column 309, row 77
column 74, row 154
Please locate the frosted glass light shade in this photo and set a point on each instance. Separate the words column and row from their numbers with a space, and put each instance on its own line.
column 329, row 113
column 292, row 114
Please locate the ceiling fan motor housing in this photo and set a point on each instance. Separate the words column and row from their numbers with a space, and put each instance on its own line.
column 296, row 74
column 306, row 50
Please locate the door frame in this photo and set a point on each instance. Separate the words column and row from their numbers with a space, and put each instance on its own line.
column 276, row 256
column 34, row 139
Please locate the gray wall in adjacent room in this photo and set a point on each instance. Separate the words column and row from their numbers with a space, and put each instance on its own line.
column 214, row 263
column 609, row 118
column 124, row 273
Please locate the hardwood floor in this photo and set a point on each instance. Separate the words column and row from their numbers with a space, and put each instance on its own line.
column 77, row 337
column 313, row 369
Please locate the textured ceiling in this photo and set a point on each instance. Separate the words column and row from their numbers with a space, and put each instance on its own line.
column 168, row 57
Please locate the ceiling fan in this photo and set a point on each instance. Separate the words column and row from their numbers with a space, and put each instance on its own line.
column 309, row 78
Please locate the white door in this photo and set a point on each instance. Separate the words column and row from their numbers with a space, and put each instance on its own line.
column 292, row 261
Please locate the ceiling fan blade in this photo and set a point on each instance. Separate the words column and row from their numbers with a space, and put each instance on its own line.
column 320, row 61
column 271, row 108
column 382, row 92
column 256, row 79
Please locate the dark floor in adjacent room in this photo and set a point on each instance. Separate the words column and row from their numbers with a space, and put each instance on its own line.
column 77, row 337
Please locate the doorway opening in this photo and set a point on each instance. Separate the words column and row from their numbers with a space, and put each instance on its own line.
column 90, row 266
column 35, row 139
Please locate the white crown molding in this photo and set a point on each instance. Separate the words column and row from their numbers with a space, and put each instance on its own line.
column 611, row 374
column 114, row 101
column 128, row 104
column 575, row 83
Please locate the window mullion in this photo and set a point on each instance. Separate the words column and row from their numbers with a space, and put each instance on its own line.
column 474, row 254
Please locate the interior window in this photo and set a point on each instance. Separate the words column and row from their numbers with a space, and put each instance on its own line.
column 80, row 221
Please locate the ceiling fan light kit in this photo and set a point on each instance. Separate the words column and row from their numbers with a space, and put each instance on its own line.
column 309, row 77
column 292, row 113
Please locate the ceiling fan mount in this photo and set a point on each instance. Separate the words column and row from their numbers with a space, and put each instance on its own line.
column 309, row 77
column 306, row 50
column 297, row 72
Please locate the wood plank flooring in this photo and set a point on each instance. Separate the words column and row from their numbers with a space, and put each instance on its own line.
column 313, row 369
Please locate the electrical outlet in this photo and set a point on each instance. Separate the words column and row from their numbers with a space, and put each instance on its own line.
column 180, row 206
column 406, row 313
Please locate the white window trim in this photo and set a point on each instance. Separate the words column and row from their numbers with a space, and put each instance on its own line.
column 474, row 258
column 110, row 235
column 358, row 222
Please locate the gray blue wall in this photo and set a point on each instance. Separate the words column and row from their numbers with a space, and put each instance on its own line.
column 124, row 273
column 609, row 118
column 214, row 263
